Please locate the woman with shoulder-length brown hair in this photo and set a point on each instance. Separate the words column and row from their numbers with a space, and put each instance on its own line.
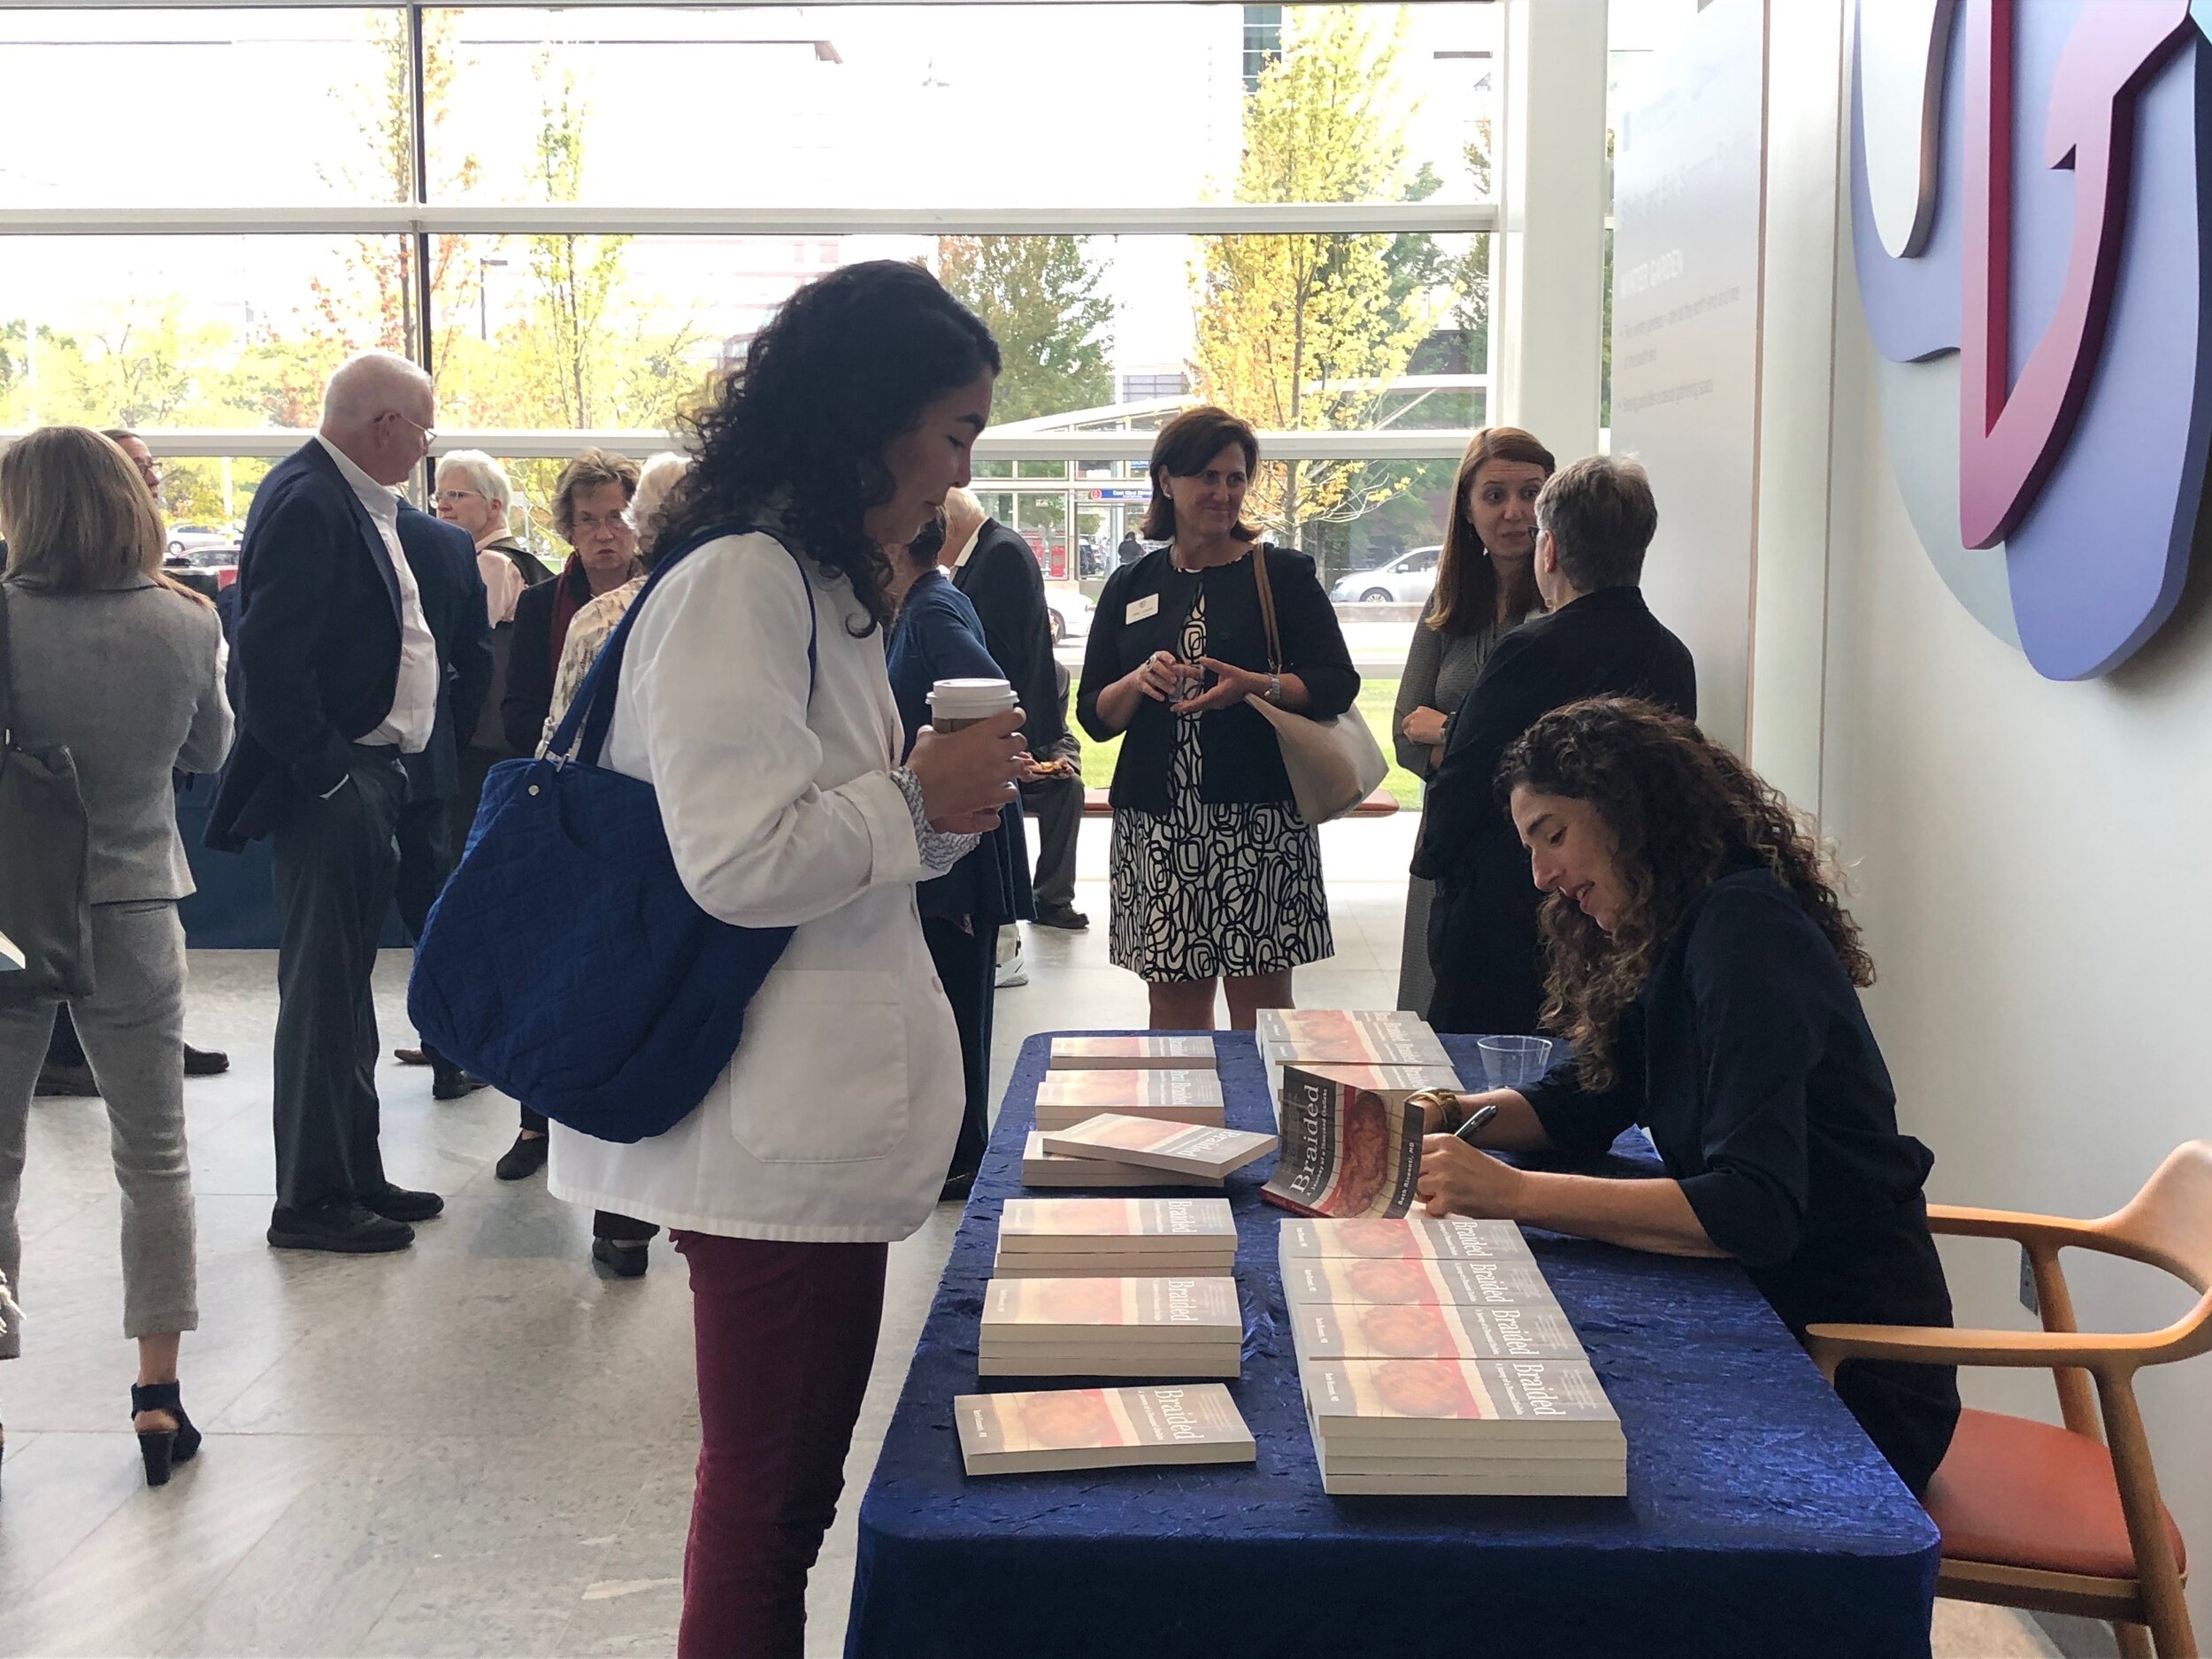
column 1700, row 957
column 109, row 658
column 1485, row 585
column 1216, row 878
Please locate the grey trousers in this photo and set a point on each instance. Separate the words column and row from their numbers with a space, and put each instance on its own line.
column 133, row 1030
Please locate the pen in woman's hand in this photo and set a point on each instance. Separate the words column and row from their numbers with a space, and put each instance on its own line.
column 1476, row 1119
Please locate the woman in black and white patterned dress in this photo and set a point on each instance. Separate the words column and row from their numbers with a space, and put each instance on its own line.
column 1216, row 878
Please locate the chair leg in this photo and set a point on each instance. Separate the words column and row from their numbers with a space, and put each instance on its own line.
column 2157, row 1574
column 2134, row 1640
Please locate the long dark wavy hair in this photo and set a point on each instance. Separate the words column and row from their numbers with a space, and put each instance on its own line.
column 1466, row 582
column 1682, row 811
column 846, row 364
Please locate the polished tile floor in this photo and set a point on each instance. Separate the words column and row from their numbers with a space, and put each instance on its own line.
column 479, row 1446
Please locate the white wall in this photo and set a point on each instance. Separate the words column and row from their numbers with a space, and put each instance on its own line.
column 2033, row 880
column 2031, row 861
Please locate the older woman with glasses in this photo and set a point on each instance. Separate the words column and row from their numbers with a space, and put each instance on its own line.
column 591, row 511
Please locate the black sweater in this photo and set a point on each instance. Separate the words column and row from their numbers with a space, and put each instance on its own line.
column 1749, row 1060
column 1240, row 759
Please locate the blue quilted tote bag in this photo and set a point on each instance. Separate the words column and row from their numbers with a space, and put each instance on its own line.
column 564, row 962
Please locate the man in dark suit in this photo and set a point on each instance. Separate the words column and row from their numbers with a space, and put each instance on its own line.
column 443, row 557
column 994, row 566
column 1596, row 519
column 336, row 677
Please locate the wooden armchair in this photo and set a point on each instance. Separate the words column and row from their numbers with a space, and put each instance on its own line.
column 2050, row 1518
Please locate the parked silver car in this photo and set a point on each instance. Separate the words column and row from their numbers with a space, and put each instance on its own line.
column 1407, row 580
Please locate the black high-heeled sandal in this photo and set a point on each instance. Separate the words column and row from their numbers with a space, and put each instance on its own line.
column 158, row 1448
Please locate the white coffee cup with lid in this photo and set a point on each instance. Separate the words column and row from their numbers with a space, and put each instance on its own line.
column 955, row 704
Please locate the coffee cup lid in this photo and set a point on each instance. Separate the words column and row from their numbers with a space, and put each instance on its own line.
column 980, row 694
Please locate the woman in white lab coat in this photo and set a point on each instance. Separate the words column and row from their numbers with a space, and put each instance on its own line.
column 785, row 804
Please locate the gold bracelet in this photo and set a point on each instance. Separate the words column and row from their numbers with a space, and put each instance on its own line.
column 1446, row 1103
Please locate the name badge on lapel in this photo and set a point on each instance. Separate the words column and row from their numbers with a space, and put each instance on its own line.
column 1140, row 609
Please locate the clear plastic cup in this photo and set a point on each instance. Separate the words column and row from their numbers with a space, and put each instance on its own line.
column 1514, row 1062
column 954, row 705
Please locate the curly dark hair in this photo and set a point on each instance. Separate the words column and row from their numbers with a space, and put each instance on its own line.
column 1681, row 810
column 846, row 364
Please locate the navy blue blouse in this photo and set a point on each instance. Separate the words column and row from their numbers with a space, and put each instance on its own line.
column 938, row 635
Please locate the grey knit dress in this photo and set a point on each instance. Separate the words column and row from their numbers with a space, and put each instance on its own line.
column 1440, row 671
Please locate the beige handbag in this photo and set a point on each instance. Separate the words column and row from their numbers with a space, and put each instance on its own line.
column 1334, row 764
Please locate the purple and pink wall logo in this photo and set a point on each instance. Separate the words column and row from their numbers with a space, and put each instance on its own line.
column 2032, row 225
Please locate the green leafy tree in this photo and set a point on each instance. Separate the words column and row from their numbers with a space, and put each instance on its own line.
column 1306, row 332
column 373, row 301
column 1041, row 299
column 577, row 277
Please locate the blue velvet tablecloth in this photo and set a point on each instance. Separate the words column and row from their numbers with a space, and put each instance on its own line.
column 1759, row 1520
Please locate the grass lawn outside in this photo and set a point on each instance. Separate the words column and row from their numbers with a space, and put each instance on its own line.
column 1376, row 699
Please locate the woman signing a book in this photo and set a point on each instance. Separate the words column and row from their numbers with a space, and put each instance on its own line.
column 1701, row 961
column 776, row 765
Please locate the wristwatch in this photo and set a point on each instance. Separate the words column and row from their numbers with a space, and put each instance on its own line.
column 1274, row 692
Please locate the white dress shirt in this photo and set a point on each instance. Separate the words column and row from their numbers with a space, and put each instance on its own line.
column 960, row 561
column 834, row 1121
column 503, row 584
column 415, row 697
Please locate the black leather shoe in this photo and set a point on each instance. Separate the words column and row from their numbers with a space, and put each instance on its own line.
column 65, row 1080
column 1064, row 916
column 396, row 1204
column 623, row 1260
column 205, row 1061
column 346, row 1229
column 523, row 1159
column 455, row 1084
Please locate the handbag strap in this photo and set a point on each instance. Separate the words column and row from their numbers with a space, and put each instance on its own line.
column 1267, row 609
column 591, row 712
column 7, row 671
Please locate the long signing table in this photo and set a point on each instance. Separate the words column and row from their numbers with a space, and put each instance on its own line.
column 1759, row 1520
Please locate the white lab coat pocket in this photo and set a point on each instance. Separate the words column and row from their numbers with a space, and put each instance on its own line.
column 821, row 1075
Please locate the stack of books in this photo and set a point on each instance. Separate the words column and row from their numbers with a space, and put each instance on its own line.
column 1433, row 1358
column 1065, row 1098
column 1187, row 1149
column 1116, row 1238
column 1133, row 1052
column 1101, row 1428
column 1379, row 1037
column 1110, row 1327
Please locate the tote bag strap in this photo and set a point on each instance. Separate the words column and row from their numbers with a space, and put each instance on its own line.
column 1267, row 609
column 7, row 707
column 592, row 711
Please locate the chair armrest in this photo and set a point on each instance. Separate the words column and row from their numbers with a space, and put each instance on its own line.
column 1830, row 1345
column 1966, row 1221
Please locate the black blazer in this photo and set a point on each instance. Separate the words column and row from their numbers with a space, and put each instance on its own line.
column 443, row 558
column 1482, row 926
column 1004, row 583
column 1240, row 759
column 317, row 659
column 529, row 698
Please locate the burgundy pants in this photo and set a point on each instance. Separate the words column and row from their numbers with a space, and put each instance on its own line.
column 785, row 1334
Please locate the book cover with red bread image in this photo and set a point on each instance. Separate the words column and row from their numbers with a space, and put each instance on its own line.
column 1351, row 1142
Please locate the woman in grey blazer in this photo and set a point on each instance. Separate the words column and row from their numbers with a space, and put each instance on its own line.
column 107, row 657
